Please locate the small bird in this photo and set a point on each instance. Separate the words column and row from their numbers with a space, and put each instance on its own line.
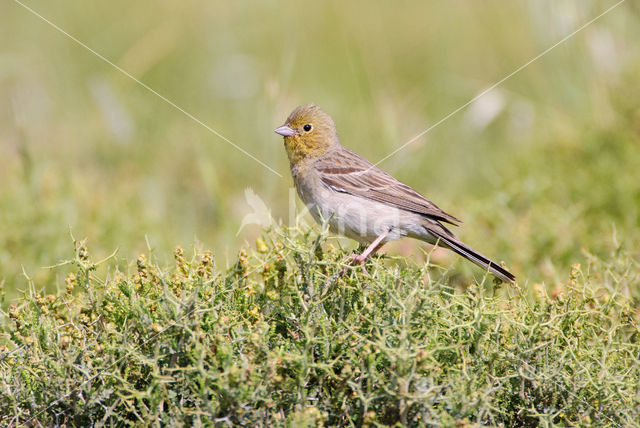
column 359, row 200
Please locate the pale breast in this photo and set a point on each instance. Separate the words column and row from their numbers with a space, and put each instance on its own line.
column 355, row 217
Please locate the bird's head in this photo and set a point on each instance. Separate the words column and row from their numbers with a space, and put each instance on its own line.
column 308, row 133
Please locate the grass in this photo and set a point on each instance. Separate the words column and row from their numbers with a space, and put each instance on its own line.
column 85, row 148
column 543, row 171
column 282, row 339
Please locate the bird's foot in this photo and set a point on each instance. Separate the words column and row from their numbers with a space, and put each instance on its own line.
column 361, row 260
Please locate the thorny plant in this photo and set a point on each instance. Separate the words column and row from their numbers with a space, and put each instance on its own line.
column 280, row 339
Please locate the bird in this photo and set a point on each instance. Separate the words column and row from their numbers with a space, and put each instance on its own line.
column 356, row 199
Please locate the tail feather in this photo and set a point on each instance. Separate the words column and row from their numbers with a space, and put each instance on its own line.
column 475, row 257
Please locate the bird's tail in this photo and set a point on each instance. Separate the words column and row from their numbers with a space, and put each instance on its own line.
column 475, row 257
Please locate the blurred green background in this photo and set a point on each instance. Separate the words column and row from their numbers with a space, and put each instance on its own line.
column 541, row 168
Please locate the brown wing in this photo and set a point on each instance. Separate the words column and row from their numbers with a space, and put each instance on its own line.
column 348, row 172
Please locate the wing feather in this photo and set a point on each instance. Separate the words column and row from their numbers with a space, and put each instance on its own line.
column 347, row 172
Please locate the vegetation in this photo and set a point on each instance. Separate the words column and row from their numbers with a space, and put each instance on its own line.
column 543, row 166
column 284, row 338
column 543, row 170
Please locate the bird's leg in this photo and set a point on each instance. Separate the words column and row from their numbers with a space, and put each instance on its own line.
column 371, row 249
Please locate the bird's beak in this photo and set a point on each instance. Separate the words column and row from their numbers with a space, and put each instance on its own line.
column 285, row 131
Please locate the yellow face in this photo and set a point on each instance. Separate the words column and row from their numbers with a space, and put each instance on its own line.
column 308, row 133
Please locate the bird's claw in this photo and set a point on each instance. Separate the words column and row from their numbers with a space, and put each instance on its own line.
column 358, row 258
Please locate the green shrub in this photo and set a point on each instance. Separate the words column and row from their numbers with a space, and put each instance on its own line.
column 283, row 338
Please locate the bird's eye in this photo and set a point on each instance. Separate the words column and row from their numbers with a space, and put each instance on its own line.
column 307, row 127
